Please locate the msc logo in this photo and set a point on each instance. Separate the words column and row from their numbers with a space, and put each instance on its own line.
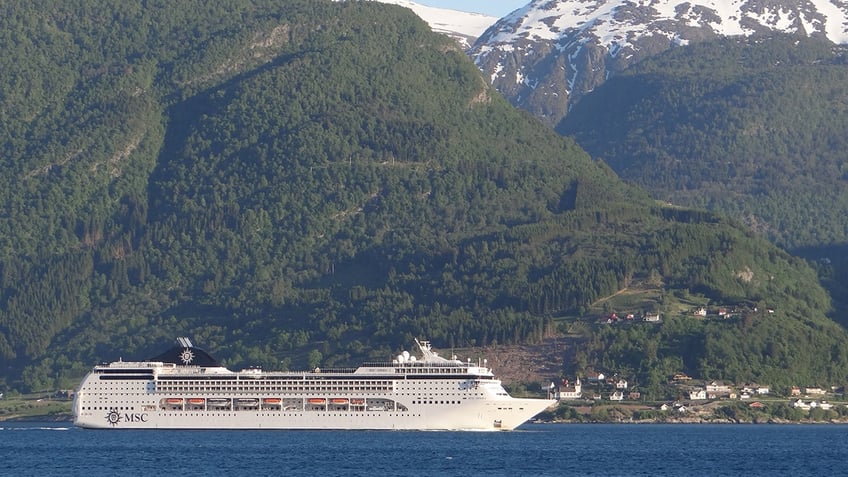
column 114, row 417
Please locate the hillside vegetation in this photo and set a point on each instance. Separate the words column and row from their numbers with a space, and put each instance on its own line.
column 754, row 128
column 295, row 183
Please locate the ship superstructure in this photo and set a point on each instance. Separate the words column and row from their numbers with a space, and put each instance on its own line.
column 185, row 388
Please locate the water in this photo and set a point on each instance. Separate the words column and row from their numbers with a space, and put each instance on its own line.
column 31, row 449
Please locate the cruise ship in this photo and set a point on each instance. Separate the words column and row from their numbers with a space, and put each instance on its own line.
column 186, row 388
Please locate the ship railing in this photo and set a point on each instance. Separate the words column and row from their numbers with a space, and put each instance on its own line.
column 132, row 364
column 335, row 370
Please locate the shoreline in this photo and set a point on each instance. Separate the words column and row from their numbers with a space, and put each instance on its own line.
column 706, row 422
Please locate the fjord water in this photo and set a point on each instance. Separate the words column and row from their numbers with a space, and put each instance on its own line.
column 31, row 449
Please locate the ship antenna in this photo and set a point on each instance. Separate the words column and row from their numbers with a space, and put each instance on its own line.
column 429, row 355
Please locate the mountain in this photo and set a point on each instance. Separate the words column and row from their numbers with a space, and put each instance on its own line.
column 307, row 181
column 752, row 127
column 465, row 27
column 546, row 56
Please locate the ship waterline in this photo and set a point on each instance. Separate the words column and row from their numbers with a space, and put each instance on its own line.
column 185, row 388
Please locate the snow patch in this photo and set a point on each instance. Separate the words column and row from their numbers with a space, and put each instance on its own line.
column 621, row 21
column 443, row 20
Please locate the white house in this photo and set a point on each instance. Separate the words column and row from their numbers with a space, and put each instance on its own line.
column 698, row 394
column 652, row 317
column 595, row 377
column 799, row 404
column 718, row 388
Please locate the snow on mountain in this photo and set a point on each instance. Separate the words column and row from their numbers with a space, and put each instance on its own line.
column 616, row 21
column 551, row 52
column 464, row 26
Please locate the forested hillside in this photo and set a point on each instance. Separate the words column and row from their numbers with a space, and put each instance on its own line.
column 754, row 128
column 294, row 183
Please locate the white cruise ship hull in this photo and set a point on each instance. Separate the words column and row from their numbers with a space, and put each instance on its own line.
column 185, row 388
column 477, row 416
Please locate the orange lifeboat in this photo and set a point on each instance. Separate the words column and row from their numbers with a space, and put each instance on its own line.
column 339, row 400
column 272, row 400
column 357, row 401
column 174, row 401
column 197, row 401
column 319, row 401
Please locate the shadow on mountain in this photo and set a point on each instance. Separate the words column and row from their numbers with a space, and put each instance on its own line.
column 831, row 264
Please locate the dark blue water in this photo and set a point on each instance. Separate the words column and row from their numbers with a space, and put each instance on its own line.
column 28, row 449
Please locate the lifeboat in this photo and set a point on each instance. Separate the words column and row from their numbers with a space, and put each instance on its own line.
column 320, row 401
column 197, row 401
column 339, row 400
column 247, row 402
column 357, row 401
column 174, row 401
column 274, row 401
column 218, row 402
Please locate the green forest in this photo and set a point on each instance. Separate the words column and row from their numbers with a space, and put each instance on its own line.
column 754, row 128
column 294, row 183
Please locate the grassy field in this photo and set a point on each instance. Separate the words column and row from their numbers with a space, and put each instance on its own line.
column 39, row 406
column 645, row 295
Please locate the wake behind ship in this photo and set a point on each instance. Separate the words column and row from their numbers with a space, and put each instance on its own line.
column 185, row 388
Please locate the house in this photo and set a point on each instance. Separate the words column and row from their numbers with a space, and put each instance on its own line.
column 698, row 394
column 757, row 405
column 652, row 317
column 621, row 384
column 814, row 391
column 634, row 396
column 617, row 396
column 701, row 312
column 796, row 391
column 799, row 404
column 718, row 389
column 681, row 377
column 595, row 377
